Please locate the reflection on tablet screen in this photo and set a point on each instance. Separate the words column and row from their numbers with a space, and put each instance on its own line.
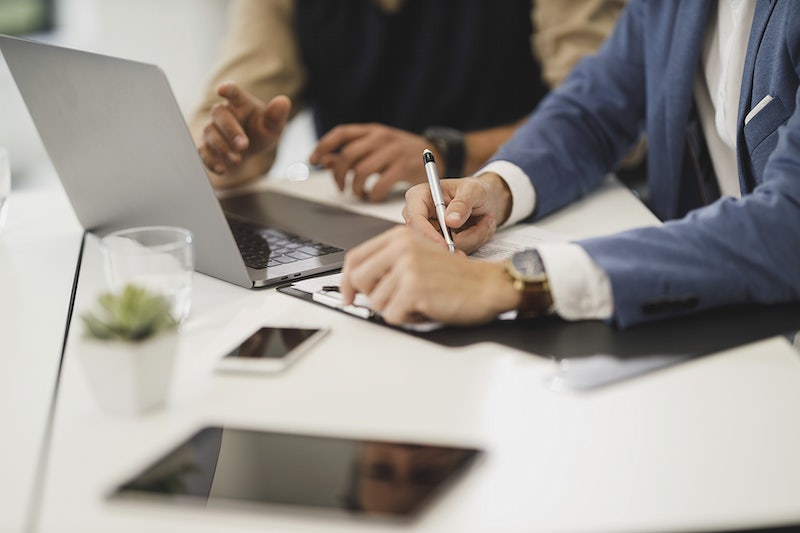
column 218, row 465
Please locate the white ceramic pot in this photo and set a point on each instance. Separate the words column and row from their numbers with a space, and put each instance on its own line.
column 130, row 377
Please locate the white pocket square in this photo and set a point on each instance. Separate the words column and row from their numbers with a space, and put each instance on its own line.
column 758, row 107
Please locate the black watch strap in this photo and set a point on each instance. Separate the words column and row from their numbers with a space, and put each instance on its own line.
column 449, row 142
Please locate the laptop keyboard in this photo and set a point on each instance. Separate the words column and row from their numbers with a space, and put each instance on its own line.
column 268, row 247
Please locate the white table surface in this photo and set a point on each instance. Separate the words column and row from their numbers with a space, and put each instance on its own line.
column 712, row 443
column 39, row 248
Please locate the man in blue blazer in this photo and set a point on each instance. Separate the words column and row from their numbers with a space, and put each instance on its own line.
column 687, row 73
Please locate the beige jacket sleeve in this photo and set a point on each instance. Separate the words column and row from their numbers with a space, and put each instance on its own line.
column 567, row 30
column 260, row 53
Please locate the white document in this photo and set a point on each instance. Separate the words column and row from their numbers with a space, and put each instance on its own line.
column 507, row 242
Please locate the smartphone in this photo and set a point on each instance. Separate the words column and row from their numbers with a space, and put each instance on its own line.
column 270, row 349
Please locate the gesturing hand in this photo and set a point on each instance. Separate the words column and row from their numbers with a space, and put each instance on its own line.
column 241, row 125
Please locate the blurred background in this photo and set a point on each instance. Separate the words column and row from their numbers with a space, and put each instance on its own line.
column 181, row 36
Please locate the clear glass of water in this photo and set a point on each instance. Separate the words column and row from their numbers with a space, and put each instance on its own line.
column 157, row 258
column 5, row 185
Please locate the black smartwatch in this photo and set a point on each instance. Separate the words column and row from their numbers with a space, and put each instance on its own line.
column 449, row 142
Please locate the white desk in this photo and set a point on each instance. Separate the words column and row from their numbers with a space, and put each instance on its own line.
column 707, row 444
column 39, row 249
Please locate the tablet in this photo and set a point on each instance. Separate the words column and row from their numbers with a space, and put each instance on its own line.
column 224, row 466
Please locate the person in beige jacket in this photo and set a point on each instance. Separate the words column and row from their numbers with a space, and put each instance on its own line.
column 386, row 79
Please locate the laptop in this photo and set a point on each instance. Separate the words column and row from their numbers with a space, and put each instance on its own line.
column 120, row 145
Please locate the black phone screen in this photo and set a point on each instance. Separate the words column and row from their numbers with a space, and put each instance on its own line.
column 271, row 343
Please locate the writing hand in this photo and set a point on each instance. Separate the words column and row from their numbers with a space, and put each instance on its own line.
column 368, row 149
column 475, row 207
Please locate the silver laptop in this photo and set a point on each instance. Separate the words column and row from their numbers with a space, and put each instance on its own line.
column 120, row 145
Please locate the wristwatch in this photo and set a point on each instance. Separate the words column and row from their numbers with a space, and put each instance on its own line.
column 530, row 279
column 449, row 142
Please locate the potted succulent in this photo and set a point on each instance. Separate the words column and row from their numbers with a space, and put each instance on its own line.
column 128, row 350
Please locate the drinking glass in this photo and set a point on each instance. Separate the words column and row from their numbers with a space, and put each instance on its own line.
column 157, row 258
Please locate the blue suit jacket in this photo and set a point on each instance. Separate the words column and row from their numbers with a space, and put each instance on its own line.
column 731, row 251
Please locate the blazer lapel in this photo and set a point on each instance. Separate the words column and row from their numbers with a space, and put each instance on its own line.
column 686, row 45
column 760, row 18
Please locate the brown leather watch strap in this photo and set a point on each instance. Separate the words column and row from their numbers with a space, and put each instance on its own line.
column 536, row 298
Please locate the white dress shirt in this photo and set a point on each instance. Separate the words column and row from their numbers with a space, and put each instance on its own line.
column 581, row 289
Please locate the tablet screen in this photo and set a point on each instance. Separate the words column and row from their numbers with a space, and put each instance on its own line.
column 218, row 465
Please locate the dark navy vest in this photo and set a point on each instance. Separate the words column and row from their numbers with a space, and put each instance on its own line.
column 465, row 64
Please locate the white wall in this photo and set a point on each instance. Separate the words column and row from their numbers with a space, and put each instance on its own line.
column 181, row 36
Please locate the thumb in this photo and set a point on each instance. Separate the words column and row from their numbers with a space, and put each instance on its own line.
column 276, row 114
column 460, row 208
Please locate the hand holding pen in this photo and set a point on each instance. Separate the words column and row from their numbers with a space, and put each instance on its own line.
column 438, row 198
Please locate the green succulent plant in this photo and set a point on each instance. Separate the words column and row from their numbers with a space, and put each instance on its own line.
column 134, row 314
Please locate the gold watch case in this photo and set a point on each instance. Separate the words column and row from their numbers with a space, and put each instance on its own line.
column 528, row 274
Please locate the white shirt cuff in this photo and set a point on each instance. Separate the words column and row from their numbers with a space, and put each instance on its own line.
column 523, row 195
column 580, row 289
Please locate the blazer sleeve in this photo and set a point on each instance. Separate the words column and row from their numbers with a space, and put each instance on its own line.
column 581, row 130
column 733, row 251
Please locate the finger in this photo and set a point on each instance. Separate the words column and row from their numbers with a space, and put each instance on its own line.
column 267, row 122
column 420, row 214
column 228, row 137
column 329, row 161
column 399, row 304
column 406, row 293
column 383, row 291
column 396, row 172
column 419, row 203
column 276, row 114
column 428, row 229
column 217, row 145
column 385, row 183
column 339, row 167
column 401, row 309
column 347, row 287
column 365, row 264
column 477, row 234
column 240, row 101
column 375, row 163
column 332, row 141
column 467, row 198
column 340, row 150
column 397, row 292
column 211, row 160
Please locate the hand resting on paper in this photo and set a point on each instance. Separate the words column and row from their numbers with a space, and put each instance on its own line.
column 409, row 278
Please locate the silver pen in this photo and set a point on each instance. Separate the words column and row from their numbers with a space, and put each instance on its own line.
column 438, row 198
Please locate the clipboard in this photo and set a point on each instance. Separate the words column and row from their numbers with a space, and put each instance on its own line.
column 320, row 299
column 324, row 290
column 591, row 353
